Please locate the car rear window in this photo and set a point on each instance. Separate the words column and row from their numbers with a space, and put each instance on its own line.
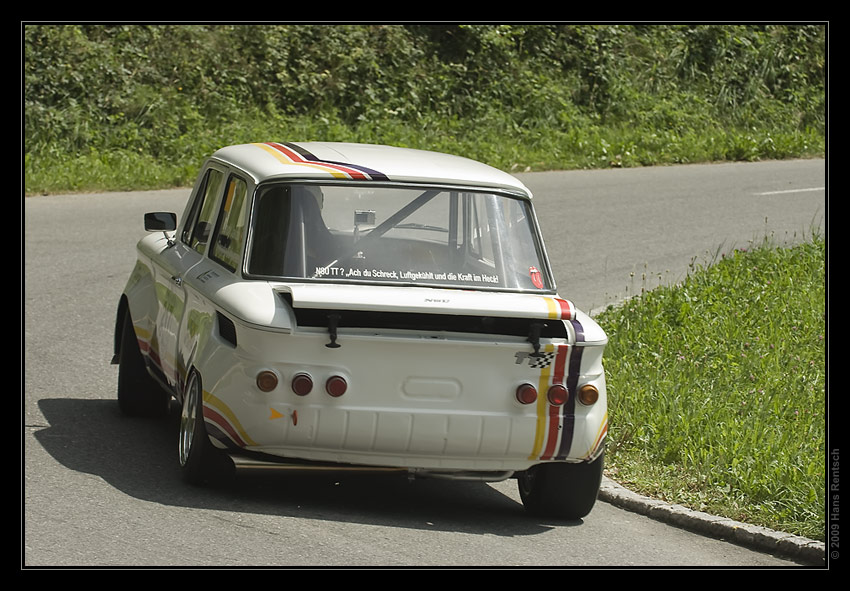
column 396, row 235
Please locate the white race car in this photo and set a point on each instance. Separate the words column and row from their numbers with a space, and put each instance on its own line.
column 364, row 306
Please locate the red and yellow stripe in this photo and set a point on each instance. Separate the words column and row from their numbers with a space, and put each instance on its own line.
column 560, row 309
column 222, row 421
column 600, row 437
column 549, row 417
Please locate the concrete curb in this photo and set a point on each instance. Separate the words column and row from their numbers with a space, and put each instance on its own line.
column 797, row 548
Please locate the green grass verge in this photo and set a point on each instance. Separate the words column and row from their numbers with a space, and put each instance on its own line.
column 716, row 389
column 175, row 159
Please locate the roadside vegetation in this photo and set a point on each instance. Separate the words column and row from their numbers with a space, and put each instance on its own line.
column 110, row 107
column 717, row 385
column 717, row 388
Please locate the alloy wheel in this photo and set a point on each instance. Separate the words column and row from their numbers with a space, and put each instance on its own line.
column 188, row 419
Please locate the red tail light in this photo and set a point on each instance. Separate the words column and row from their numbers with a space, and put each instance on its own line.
column 557, row 395
column 526, row 394
column 302, row 384
column 336, row 386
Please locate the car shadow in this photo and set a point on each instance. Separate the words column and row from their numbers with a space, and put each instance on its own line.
column 139, row 458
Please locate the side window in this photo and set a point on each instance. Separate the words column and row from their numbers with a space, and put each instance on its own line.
column 197, row 232
column 230, row 232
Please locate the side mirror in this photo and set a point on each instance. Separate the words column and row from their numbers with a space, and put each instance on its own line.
column 160, row 221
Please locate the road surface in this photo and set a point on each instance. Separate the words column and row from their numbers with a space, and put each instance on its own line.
column 102, row 490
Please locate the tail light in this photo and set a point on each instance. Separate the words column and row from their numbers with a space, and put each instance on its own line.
column 336, row 386
column 266, row 381
column 302, row 384
column 526, row 394
column 557, row 395
column 588, row 394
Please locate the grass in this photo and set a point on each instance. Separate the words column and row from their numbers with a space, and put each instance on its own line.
column 118, row 166
column 717, row 388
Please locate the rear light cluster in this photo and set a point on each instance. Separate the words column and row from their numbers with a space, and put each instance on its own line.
column 302, row 383
column 557, row 394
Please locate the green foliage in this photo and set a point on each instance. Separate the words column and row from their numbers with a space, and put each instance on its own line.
column 516, row 96
column 717, row 388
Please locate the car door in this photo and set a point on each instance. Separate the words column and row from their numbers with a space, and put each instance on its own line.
column 174, row 265
column 218, row 238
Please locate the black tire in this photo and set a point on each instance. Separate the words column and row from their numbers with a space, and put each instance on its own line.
column 139, row 395
column 560, row 490
column 200, row 461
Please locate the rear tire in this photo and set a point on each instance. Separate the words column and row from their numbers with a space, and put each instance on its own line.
column 139, row 395
column 200, row 461
column 561, row 490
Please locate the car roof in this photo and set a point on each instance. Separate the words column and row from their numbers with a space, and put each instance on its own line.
column 364, row 162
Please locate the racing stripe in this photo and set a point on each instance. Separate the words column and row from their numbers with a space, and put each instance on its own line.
column 148, row 348
column 555, row 412
column 283, row 157
column 218, row 414
column 218, row 427
column 569, row 409
column 542, row 403
column 572, row 386
column 368, row 172
column 566, row 308
column 297, row 156
column 560, row 309
column 556, row 425
column 600, row 436
column 552, row 306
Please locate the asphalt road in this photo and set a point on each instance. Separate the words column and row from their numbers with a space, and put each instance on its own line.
column 602, row 226
column 101, row 490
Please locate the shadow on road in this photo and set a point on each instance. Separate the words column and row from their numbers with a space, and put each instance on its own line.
column 139, row 458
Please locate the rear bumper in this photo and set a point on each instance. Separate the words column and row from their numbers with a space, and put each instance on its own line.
column 437, row 403
column 248, row 462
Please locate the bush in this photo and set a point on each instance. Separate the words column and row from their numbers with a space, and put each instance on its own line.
column 553, row 96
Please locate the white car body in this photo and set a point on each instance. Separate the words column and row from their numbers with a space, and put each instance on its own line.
column 431, row 357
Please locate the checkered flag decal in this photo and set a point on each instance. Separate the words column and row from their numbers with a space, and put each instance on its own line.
column 541, row 360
